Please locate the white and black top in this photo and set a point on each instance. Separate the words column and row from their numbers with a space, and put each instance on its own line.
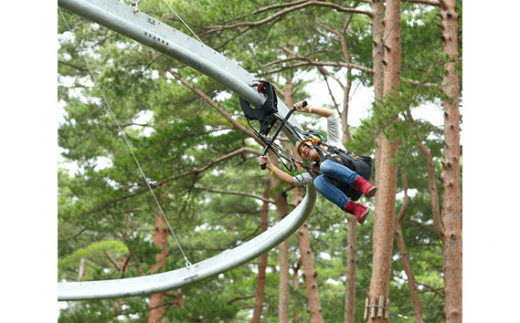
column 334, row 135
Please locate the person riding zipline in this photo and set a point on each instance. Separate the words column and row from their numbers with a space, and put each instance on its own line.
column 341, row 177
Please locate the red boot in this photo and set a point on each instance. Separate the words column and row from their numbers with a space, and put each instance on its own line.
column 358, row 210
column 364, row 187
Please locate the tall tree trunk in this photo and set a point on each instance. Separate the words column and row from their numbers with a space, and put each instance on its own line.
column 178, row 297
column 404, row 254
column 432, row 189
column 378, row 55
column 346, row 89
column 350, row 288
column 80, row 276
column 262, row 264
column 296, row 269
column 81, row 268
column 309, row 275
column 452, row 208
column 283, row 248
column 387, row 175
column 161, row 240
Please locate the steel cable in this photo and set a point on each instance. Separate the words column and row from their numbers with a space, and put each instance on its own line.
column 188, row 263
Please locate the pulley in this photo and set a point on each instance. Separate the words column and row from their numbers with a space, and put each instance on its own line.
column 264, row 114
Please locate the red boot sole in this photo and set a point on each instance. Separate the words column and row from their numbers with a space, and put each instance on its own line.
column 363, row 217
column 371, row 192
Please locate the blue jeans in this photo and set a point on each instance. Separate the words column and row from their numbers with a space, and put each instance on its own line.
column 330, row 169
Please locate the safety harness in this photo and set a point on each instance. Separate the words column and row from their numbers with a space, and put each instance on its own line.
column 359, row 164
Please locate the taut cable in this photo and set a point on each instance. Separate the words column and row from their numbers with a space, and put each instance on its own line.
column 188, row 263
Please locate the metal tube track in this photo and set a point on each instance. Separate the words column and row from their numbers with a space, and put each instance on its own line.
column 74, row 291
column 151, row 32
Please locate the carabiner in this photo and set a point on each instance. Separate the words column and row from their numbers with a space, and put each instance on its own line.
column 136, row 5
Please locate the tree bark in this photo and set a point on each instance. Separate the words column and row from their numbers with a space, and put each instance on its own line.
column 81, row 268
column 235, row 124
column 161, row 240
column 387, row 174
column 350, row 288
column 262, row 264
column 283, row 248
column 432, row 186
column 296, row 269
column 404, row 254
column 309, row 275
column 378, row 54
column 452, row 208
column 378, row 72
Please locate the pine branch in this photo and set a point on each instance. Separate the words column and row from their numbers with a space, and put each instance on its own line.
column 435, row 290
column 136, row 262
column 164, row 304
column 73, row 66
column 112, row 260
column 325, row 74
column 300, row 5
column 419, row 84
column 236, row 193
column 240, row 298
column 217, row 107
column 404, row 206
column 240, row 151
column 277, row 6
column 124, row 267
column 138, row 76
column 74, row 236
column 242, row 194
column 432, row 187
column 324, row 26
column 315, row 63
column 133, row 124
column 174, row 295
column 437, row 3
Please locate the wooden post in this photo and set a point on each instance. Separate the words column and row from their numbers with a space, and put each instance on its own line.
column 81, row 269
column 365, row 314
column 387, row 312
column 373, row 308
column 380, row 309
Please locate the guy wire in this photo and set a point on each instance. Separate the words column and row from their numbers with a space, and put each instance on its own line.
column 185, row 24
column 126, row 141
column 247, row 44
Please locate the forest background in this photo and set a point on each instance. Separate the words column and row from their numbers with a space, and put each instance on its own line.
column 29, row 223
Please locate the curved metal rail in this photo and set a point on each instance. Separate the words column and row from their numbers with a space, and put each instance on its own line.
column 150, row 32
column 73, row 291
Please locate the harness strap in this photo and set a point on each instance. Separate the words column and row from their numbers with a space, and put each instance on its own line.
column 316, row 145
column 306, row 169
column 359, row 164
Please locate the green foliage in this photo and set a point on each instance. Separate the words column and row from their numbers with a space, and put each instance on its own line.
column 105, row 209
column 206, row 309
column 94, row 253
